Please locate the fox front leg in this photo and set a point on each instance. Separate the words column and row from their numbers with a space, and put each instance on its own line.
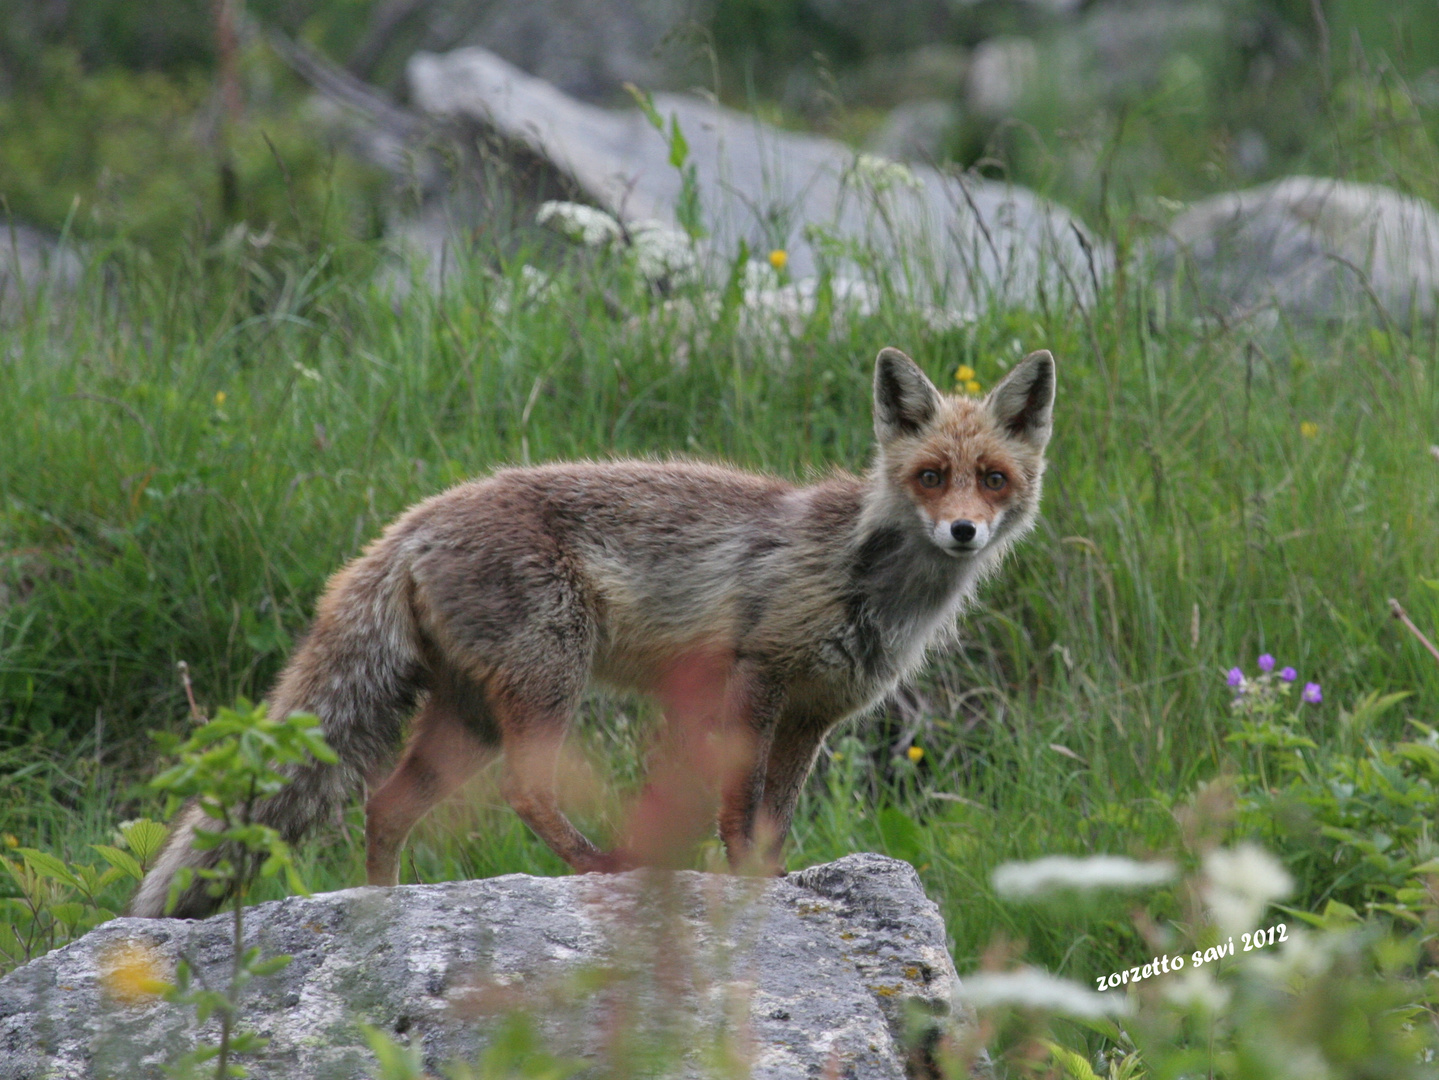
column 796, row 742
column 756, row 708
column 708, row 761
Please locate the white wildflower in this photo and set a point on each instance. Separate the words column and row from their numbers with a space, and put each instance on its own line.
column 533, row 286
column 1058, row 872
column 1031, row 989
column 1302, row 957
column 663, row 251
column 882, row 174
column 760, row 277
column 1240, row 883
column 582, row 224
column 1196, row 989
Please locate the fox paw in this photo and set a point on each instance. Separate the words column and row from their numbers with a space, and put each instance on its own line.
column 616, row 861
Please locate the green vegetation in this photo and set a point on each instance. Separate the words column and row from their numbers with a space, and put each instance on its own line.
column 234, row 404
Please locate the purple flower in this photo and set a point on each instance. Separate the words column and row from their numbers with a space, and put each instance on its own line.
column 1266, row 663
column 1312, row 694
column 1288, row 674
column 1235, row 678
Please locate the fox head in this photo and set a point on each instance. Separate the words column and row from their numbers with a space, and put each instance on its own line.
column 969, row 470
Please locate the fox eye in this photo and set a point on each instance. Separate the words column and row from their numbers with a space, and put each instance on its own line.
column 929, row 478
column 994, row 480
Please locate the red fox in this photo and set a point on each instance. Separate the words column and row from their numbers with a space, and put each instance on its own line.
column 759, row 612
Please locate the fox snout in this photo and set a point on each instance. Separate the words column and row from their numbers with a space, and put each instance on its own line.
column 963, row 536
column 967, row 533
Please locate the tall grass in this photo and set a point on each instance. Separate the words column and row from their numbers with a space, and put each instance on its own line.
column 187, row 453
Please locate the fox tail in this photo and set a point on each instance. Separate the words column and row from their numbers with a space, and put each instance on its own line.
column 359, row 671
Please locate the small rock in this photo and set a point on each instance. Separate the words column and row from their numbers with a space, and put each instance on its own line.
column 1002, row 71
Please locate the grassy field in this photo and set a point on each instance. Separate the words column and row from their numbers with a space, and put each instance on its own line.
column 186, row 454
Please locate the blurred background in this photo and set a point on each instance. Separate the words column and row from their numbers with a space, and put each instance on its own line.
column 173, row 120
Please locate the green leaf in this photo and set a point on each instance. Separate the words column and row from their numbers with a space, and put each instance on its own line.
column 48, row 866
column 901, row 835
column 270, row 966
column 679, row 147
column 1074, row 1064
column 144, row 838
column 120, row 860
column 67, row 914
column 647, row 106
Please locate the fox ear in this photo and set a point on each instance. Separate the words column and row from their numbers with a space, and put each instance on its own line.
column 904, row 398
column 1024, row 399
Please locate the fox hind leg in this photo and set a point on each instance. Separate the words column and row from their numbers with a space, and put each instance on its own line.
column 454, row 737
column 533, row 710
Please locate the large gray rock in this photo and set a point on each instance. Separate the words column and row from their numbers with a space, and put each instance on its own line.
column 956, row 242
column 814, row 974
column 1314, row 250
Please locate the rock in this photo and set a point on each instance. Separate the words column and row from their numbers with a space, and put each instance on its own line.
column 915, row 131
column 1002, row 73
column 818, row 973
column 966, row 242
column 32, row 260
column 590, row 48
column 1315, row 250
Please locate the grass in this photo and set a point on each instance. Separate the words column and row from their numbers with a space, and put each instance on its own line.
column 187, row 453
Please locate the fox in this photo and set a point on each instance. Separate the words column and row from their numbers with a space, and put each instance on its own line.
column 761, row 614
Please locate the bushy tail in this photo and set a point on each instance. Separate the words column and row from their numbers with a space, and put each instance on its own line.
column 359, row 671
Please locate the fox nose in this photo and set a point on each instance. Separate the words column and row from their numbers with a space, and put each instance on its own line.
column 963, row 531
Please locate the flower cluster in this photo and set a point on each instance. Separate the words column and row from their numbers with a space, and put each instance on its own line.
column 964, row 378
column 659, row 250
column 880, row 174
column 583, row 224
column 1268, row 683
column 1239, row 885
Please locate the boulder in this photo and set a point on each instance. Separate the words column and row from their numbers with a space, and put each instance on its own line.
column 838, row 970
column 957, row 241
column 1314, row 250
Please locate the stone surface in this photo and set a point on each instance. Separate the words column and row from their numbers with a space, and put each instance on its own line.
column 590, row 48
column 915, row 131
column 30, row 260
column 955, row 242
column 813, row 974
column 1315, row 250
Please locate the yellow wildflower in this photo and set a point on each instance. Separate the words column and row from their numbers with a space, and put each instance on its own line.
column 972, row 387
column 964, row 374
column 132, row 972
column 219, row 398
column 779, row 259
column 1309, row 429
column 11, row 840
column 915, row 753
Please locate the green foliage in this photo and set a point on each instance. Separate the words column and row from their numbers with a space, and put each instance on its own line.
column 139, row 155
column 227, row 765
column 1354, row 814
column 47, row 901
